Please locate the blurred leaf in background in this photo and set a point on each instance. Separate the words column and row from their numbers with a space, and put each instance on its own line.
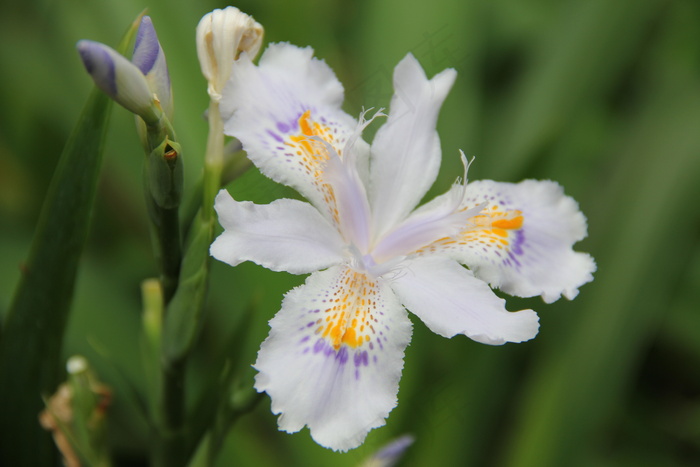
column 603, row 97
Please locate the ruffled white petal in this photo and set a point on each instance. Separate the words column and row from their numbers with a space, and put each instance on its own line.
column 405, row 154
column 334, row 356
column 286, row 112
column 285, row 235
column 450, row 301
column 522, row 243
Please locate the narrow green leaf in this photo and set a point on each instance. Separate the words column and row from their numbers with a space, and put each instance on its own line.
column 30, row 355
column 183, row 319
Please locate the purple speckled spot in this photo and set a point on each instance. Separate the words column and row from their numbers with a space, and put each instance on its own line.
column 512, row 256
column 304, row 339
column 374, row 358
column 311, row 324
column 283, row 127
column 319, row 345
column 357, row 374
column 357, row 358
column 342, row 355
column 275, row 135
column 519, row 240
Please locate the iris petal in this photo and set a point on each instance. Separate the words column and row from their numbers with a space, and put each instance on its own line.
column 334, row 356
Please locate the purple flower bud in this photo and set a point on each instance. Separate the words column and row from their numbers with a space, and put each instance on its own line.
column 391, row 453
column 118, row 78
column 150, row 59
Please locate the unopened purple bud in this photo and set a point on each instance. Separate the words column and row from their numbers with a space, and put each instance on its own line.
column 150, row 59
column 100, row 65
column 118, row 78
column 391, row 453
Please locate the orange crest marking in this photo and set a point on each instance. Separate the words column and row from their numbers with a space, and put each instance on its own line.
column 312, row 154
column 350, row 313
column 493, row 228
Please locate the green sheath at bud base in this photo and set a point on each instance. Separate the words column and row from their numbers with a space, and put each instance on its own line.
column 164, row 173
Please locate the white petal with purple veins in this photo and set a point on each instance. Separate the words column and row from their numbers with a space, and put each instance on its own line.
column 522, row 243
column 286, row 112
column 334, row 357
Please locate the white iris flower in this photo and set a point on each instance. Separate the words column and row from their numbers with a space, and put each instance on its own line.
column 334, row 355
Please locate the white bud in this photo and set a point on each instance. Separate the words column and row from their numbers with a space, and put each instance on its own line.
column 76, row 364
column 221, row 36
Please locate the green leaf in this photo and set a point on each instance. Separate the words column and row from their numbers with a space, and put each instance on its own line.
column 183, row 319
column 575, row 62
column 30, row 365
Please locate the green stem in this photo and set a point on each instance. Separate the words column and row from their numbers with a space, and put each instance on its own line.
column 171, row 436
column 213, row 162
column 163, row 187
column 166, row 223
column 235, row 164
column 169, row 450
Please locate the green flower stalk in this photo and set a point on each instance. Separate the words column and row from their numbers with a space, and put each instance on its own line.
column 221, row 37
column 142, row 86
column 164, row 173
column 163, row 181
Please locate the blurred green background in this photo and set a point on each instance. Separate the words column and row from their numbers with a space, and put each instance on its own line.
column 602, row 96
